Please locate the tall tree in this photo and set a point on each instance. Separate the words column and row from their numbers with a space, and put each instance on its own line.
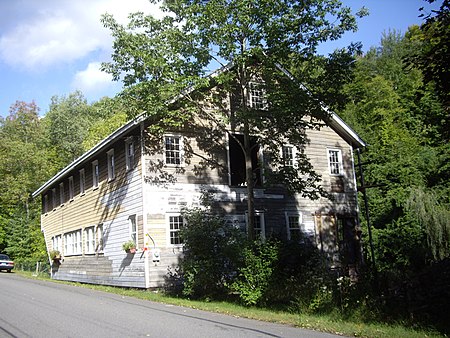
column 67, row 124
column 159, row 59
column 23, row 166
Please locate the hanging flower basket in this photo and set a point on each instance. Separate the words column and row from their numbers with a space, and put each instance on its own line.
column 129, row 247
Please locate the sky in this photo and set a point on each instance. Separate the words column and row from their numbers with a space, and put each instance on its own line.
column 54, row 47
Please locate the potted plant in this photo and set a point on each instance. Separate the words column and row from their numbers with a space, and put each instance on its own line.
column 129, row 246
column 55, row 255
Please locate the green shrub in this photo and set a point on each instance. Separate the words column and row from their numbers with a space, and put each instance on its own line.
column 213, row 252
column 255, row 275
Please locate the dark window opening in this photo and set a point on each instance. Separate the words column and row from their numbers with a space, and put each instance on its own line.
column 237, row 162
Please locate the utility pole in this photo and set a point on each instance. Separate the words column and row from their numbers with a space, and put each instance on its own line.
column 366, row 209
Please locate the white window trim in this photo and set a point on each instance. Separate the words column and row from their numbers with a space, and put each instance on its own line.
column 71, row 189
column 129, row 154
column 89, row 240
column 294, row 155
column 168, row 215
column 181, row 151
column 340, row 163
column 262, row 95
column 95, row 175
column 82, row 182
column 132, row 221
column 73, row 243
column 111, row 165
column 100, row 238
column 57, row 243
column 260, row 214
column 300, row 222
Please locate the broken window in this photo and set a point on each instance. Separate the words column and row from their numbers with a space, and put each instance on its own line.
column 237, row 161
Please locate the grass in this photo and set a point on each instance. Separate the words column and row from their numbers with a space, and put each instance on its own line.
column 324, row 323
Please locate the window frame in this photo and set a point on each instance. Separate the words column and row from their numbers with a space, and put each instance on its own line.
column 82, row 182
column 257, row 96
column 293, row 149
column 111, row 165
column 173, row 234
column 259, row 214
column 133, row 228
column 333, row 165
column 54, row 198
column 99, row 238
column 129, row 154
column 95, row 174
column 71, row 189
column 73, row 243
column 179, row 151
column 89, row 240
column 57, row 243
column 61, row 194
column 289, row 229
column 46, row 205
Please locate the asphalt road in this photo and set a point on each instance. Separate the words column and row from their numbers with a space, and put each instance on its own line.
column 30, row 308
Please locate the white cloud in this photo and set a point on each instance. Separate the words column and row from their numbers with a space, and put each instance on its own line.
column 93, row 81
column 55, row 32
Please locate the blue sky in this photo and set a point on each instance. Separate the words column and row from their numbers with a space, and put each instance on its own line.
column 54, row 47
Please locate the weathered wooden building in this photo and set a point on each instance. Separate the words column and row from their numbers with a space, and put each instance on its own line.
column 120, row 191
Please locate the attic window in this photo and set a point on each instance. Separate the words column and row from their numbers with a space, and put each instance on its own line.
column 237, row 161
column 257, row 96
column 335, row 161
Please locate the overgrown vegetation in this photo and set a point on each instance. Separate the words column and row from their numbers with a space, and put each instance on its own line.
column 394, row 96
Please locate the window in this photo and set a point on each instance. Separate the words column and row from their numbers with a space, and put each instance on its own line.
column 335, row 161
column 72, row 243
column 259, row 226
column 45, row 204
column 288, row 156
column 129, row 154
column 89, row 240
column 54, row 198
column 95, row 174
column 173, row 150
column 132, row 228
column 61, row 194
column 237, row 161
column 257, row 96
column 57, row 243
column 175, row 224
column 294, row 226
column 111, row 165
column 99, row 238
column 71, row 191
column 82, row 182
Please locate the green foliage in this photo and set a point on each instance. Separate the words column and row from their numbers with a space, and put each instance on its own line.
column 213, row 252
column 164, row 61
column 255, row 275
column 67, row 123
column 433, row 212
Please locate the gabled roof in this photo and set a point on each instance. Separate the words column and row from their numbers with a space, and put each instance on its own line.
column 334, row 122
